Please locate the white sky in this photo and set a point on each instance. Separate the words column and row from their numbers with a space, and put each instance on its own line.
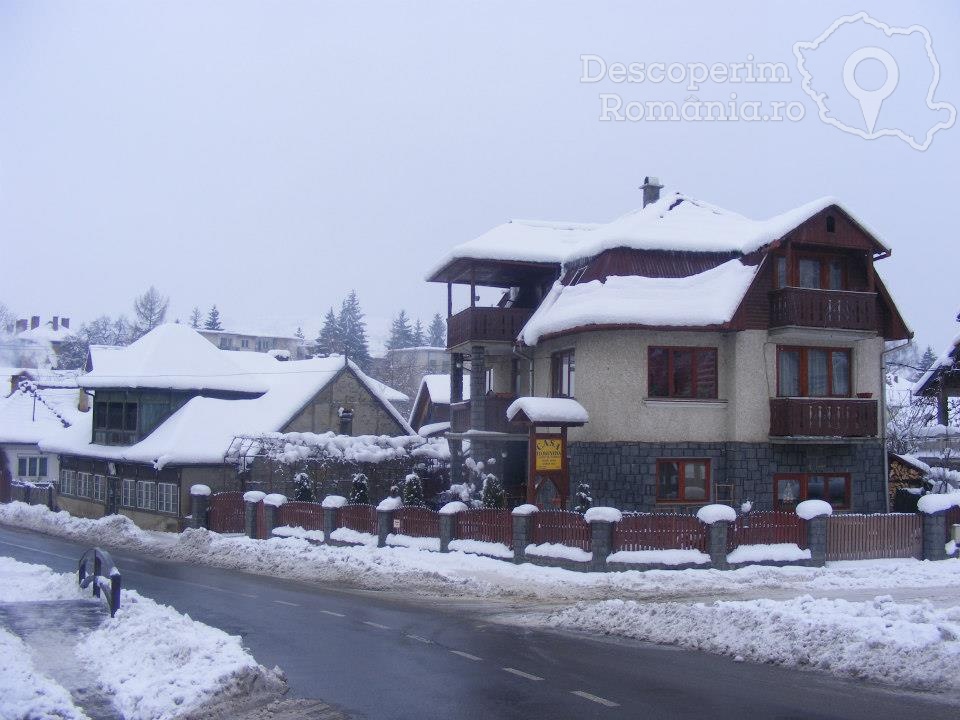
column 269, row 157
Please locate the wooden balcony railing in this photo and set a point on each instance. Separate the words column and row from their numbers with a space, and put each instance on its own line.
column 486, row 324
column 839, row 309
column 823, row 417
column 494, row 415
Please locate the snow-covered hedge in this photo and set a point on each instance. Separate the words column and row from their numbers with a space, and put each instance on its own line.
column 293, row 448
column 938, row 502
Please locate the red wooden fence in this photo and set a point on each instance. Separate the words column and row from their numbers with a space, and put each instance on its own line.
column 767, row 527
column 307, row 515
column 417, row 522
column 361, row 518
column 493, row 526
column 225, row 512
column 868, row 537
column 4, row 486
column 562, row 527
column 663, row 531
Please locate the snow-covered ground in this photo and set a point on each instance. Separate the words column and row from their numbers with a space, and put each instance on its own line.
column 878, row 619
column 147, row 674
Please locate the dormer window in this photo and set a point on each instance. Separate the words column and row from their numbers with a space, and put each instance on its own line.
column 831, row 224
column 816, row 271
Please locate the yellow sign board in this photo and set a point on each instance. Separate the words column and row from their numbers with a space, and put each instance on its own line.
column 549, row 453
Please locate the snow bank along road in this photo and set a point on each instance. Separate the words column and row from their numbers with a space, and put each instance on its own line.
column 383, row 657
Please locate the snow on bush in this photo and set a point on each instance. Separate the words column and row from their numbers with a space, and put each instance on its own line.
column 294, row 448
column 776, row 552
column 938, row 502
column 200, row 490
column 909, row 645
column 333, row 501
column 809, row 509
column 525, row 510
column 452, row 508
column 709, row 514
column 603, row 514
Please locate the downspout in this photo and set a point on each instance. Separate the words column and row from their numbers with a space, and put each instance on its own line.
column 883, row 421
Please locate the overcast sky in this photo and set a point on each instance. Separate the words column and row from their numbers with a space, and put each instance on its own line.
column 269, row 157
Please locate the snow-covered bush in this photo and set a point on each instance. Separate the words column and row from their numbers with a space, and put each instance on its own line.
column 412, row 490
column 582, row 498
column 360, row 490
column 302, row 487
column 492, row 494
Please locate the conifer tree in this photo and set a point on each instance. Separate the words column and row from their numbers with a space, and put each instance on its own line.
column 412, row 490
column 328, row 341
column 492, row 494
column 360, row 490
column 437, row 334
column 582, row 498
column 302, row 487
column 417, row 337
column 401, row 336
column 299, row 334
column 195, row 317
column 213, row 320
column 353, row 331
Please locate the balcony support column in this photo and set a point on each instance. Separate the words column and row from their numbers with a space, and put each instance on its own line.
column 478, row 382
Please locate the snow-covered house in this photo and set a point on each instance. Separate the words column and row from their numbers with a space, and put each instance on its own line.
column 717, row 358
column 251, row 341
column 167, row 408
column 940, row 442
column 430, row 414
column 29, row 414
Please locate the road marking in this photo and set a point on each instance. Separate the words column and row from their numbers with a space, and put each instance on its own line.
column 522, row 674
column 595, row 698
column 331, row 612
column 284, row 602
column 420, row 639
column 44, row 552
column 376, row 625
column 468, row 656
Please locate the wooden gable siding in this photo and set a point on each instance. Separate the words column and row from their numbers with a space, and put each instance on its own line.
column 892, row 324
column 754, row 310
column 620, row 262
column 847, row 234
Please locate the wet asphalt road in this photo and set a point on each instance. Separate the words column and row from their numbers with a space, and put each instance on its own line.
column 375, row 656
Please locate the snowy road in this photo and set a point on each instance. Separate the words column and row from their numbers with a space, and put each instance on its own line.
column 378, row 656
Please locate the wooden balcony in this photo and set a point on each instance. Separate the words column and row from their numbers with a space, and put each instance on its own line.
column 823, row 417
column 835, row 309
column 486, row 325
column 494, row 415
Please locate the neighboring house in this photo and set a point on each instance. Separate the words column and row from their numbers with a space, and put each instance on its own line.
column 167, row 408
column 36, row 344
column 28, row 415
column 940, row 443
column 403, row 368
column 716, row 358
column 256, row 342
column 431, row 409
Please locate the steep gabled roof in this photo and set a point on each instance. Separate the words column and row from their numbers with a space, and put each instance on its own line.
column 949, row 360
column 29, row 415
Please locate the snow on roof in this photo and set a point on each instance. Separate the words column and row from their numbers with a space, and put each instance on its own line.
column 675, row 222
column 439, row 388
column 27, row 419
column 171, row 357
column 45, row 333
column 202, row 430
column 912, row 460
column 546, row 410
column 708, row 298
column 946, row 359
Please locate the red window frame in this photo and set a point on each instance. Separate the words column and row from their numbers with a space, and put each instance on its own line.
column 695, row 351
column 804, row 480
column 681, row 464
column 557, row 370
column 804, row 379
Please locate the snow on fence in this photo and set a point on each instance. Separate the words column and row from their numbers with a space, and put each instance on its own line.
column 489, row 525
column 767, row 527
column 225, row 512
column 870, row 537
column 660, row 531
column 360, row 518
column 561, row 527
column 297, row 513
column 416, row 522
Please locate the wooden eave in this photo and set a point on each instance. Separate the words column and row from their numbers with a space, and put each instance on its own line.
column 495, row 273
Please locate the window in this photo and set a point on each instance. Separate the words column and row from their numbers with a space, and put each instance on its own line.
column 127, row 492
column 167, row 498
column 488, row 380
column 683, row 480
column 832, row 487
column 682, row 372
column 83, row 485
column 99, row 491
column 563, row 373
column 831, row 224
column 146, row 495
column 31, row 467
column 819, row 272
column 813, row 372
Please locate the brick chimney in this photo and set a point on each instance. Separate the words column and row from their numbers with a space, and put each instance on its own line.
column 55, row 322
column 21, row 325
column 34, row 321
column 651, row 190
column 65, row 323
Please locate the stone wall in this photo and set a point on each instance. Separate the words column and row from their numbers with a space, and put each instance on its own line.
column 623, row 474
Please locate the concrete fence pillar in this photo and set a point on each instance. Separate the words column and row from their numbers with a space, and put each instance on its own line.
column 199, row 506
column 251, row 499
column 384, row 526
column 717, row 544
column 448, row 531
column 522, row 531
column 934, row 535
column 601, row 544
column 331, row 518
column 271, row 508
column 817, row 540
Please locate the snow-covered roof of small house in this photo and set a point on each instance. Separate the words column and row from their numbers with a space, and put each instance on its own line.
column 45, row 333
column 948, row 358
column 562, row 411
column 170, row 357
column 201, row 431
column 29, row 415
column 708, row 298
column 674, row 222
column 438, row 386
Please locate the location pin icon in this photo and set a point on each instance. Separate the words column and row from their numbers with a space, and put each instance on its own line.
column 870, row 100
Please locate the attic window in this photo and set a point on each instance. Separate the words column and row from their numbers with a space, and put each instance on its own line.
column 346, row 421
column 831, row 224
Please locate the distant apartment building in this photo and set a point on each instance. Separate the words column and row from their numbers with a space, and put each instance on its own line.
column 255, row 342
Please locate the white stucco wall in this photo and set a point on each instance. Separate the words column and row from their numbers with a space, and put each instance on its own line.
column 15, row 451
